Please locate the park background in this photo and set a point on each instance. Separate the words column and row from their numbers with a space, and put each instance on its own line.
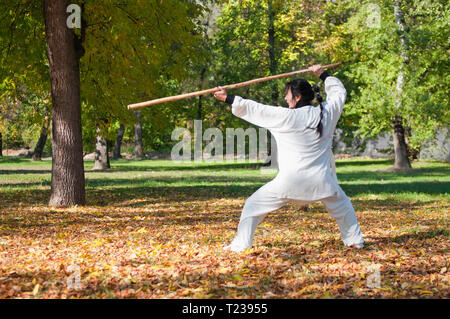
column 143, row 226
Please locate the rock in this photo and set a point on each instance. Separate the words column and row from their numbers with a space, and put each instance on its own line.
column 127, row 156
column 17, row 152
column 89, row 157
column 156, row 155
column 382, row 146
column 439, row 148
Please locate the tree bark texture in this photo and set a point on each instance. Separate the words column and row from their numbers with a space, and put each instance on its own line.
column 400, row 146
column 138, row 145
column 118, row 144
column 101, row 153
column 68, row 181
column 273, row 68
column 200, row 101
column 39, row 148
column 273, row 62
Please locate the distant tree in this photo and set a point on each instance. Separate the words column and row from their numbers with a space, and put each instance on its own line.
column 39, row 148
column 101, row 154
column 138, row 145
column 395, row 54
column 118, row 143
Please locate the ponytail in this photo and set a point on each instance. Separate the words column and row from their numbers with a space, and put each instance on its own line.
column 319, row 98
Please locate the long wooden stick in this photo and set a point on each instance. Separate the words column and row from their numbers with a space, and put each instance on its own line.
column 226, row 87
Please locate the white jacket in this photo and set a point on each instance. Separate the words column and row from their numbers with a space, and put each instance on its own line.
column 304, row 159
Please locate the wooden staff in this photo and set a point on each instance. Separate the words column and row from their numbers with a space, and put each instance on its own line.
column 226, row 87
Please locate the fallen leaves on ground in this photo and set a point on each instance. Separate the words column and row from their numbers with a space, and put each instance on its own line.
column 169, row 245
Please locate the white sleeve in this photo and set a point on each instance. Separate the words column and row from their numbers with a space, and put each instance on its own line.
column 266, row 116
column 336, row 94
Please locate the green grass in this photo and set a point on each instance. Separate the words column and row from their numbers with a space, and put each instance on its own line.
column 362, row 178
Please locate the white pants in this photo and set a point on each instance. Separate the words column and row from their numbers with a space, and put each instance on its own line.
column 264, row 201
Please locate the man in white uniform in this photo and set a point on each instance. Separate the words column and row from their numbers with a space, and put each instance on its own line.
column 304, row 135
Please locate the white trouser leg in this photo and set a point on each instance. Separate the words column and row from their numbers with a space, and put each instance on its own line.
column 256, row 207
column 341, row 208
column 245, row 234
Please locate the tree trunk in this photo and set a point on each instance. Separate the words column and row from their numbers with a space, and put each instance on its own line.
column 39, row 148
column 273, row 62
column 400, row 147
column 200, row 101
column 1, row 145
column 101, row 153
column 273, row 66
column 118, row 144
column 138, row 145
column 413, row 153
column 68, row 181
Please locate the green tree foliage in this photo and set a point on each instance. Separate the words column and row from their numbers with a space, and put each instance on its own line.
column 23, row 57
column 140, row 50
column 130, row 51
column 24, row 77
column 243, row 44
column 133, row 52
column 255, row 39
column 21, row 115
column 375, row 57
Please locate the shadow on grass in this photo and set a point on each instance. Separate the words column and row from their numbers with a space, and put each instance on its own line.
column 25, row 171
column 120, row 192
column 136, row 168
column 428, row 188
column 199, row 192
column 376, row 176
column 364, row 162
column 170, row 210
column 14, row 159
column 184, row 167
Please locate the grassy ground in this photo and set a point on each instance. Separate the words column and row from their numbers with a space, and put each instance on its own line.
column 155, row 229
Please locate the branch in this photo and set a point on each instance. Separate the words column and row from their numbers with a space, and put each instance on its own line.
column 132, row 18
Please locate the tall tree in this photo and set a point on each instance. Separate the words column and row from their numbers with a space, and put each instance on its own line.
column 400, row 147
column 120, row 52
column 68, row 181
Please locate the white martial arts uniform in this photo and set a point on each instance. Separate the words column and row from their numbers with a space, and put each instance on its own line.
column 304, row 160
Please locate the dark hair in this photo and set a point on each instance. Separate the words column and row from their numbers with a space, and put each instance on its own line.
column 319, row 98
column 300, row 87
column 308, row 93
